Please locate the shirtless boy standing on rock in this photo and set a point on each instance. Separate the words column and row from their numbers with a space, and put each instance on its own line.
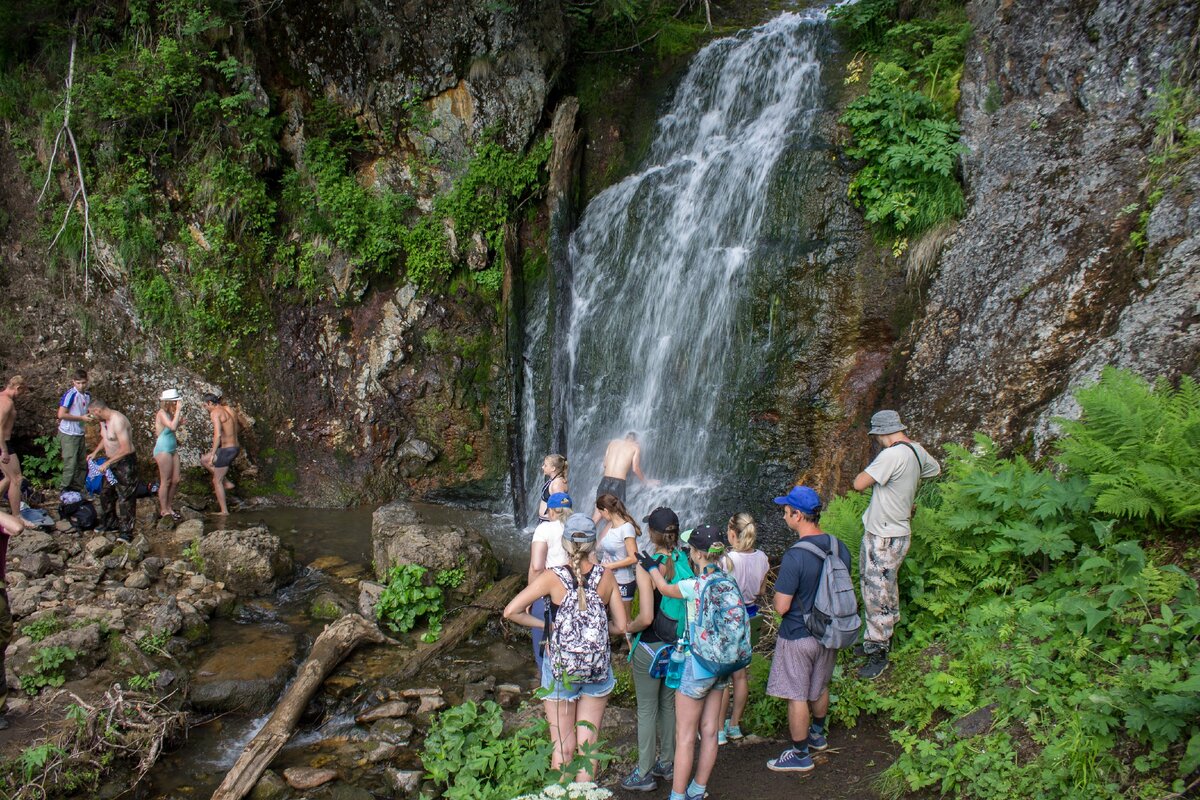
column 10, row 464
column 621, row 456
column 225, row 447
column 118, row 505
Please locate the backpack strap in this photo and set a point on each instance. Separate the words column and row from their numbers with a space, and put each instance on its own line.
column 816, row 551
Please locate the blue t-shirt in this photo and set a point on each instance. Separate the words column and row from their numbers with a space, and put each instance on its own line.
column 76, row 404
column 799, row 576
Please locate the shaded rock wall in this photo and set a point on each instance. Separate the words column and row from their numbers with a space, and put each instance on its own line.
column 1041, row 287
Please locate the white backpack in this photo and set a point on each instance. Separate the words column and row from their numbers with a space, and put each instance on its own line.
column 579, row 648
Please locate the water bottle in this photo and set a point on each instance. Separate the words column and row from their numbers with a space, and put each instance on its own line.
column 675, row 666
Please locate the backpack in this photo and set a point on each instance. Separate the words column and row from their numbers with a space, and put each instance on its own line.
column 834, row 619
column 84, row 517
column 579, row 647
column 719, row 637
column 671, row 620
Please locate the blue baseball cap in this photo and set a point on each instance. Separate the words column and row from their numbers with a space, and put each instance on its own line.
column 559, row 500
column 801, row 498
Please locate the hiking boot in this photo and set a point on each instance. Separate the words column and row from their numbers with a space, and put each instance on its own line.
column 665, row 771
column 791, row 760
column 733, row 732
column 876, row 664
column 816, row 739
column 858, row 650
column 636, row 782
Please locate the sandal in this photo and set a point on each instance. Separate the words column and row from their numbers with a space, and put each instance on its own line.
column 175, row 515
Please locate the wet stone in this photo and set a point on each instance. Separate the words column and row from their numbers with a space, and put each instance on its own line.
column 304, row 778
column 396, row 708
column 406, row 781
column 392, row 731
column 508, row 694
column 269, row 787
column 431, row 703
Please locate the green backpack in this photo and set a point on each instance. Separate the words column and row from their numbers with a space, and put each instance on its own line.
column 671, row 621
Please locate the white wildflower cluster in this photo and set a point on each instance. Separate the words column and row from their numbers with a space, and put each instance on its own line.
column 572, row 791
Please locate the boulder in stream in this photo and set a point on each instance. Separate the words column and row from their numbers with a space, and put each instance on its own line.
column 250, row 562
column 400, row 536
column 245, row 676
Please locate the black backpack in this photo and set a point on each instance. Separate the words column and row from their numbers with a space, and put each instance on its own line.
column 82, row 515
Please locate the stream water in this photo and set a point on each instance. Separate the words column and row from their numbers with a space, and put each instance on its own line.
column 652, row 334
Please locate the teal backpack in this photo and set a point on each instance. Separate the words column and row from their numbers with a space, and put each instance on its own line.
column 719, row 637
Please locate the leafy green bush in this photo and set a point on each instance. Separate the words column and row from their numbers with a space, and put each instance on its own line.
column 764, row 715
column 466, row 752
column 1136, row 446
column 408, row 598
column 47, row 668
column 41, row 628
column 1038, row 613
column 46, row 467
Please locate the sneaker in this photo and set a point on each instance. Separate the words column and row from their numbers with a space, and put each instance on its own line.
column 722, row 737
column 858, row 650
column 791, row 760
column 734, row 732
column 690, row 796
column 665, row 771
column 636, row 782
column 875, row 666
column 817, row 740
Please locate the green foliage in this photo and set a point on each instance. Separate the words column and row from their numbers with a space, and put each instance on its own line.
column 408, row 598
column 466, row 753
column 451, row 578
column 154, row 644
column 664, row 27
column 47, row 668
column 1136, row 444
column 1037, row 608
column 192, row 553
column 41, row 628
column 143, row 683
column 46, row 467
column 764, row 715
column 904, row 127
column 34, row 759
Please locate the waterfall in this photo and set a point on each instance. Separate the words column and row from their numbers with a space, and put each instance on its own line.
column 661, row 269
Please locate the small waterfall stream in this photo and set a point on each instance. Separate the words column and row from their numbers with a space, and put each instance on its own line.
column 662, row 265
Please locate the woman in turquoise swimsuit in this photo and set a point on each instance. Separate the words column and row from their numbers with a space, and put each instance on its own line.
column 166, row 421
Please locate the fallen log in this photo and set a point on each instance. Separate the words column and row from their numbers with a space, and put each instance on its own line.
column 333, row 645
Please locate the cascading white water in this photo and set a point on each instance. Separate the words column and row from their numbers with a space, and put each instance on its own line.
column 660, row 268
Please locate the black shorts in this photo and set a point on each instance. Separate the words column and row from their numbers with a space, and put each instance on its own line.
column 226, row 455
column 613, row 486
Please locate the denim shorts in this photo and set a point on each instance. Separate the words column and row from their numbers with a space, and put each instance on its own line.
column 571, row 693
column 696, row 682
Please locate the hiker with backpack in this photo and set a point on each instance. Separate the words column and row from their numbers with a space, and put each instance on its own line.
column 815, row 598
column 546, row 552
column 659, row 625
column 577, row 675
column 896, row 474
column 748, row 566
column 716, row 644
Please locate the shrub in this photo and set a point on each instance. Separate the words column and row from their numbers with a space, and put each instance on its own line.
column 408, row 598
column 466, row 752
column 47, row 668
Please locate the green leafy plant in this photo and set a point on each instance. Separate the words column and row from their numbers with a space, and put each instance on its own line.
column 46, row 467
column 466, row 753
column 47, row 668
column 33, row 759
column 154, row 644
column 764, row 715
column 451, row 578
column 192, row 553
column 408, row 598
column 143, row 683
column 41, row 628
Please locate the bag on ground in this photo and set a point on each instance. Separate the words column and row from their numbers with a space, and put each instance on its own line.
column 579, row 646
column 834, row 619
column 719, row 637
column 84, row 517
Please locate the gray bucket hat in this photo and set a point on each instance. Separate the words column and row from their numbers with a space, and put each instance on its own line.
column 885, row 422
column 579, row 529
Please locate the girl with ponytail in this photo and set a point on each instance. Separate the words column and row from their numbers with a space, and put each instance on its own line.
column 620, row 545
column 577, row 674
column 749, row 567
column 554, row 469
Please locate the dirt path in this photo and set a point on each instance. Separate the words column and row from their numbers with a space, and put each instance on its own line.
column 848, row 769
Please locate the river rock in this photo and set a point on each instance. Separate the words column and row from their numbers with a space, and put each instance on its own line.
column 244, row 676
column 389, row 710
column 250, row 562
column 400, row 536
column 327, row 605
column 188, row 530
column 392, row 731
column 508, row 694
column 304, row 778
column 138, row 580
column 406, row 781
column 368, row 596
column 22, row 602
column 86, row 642
column 29, row 542
column 35, row 565
column 431, row 703
column 269, row 787
column 167, row 618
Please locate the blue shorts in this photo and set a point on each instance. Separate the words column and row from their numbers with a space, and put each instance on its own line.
column 627, row 590
column 696, row 682
column 571, row 693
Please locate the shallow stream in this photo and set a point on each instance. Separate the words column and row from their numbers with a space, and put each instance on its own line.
column 333, row 547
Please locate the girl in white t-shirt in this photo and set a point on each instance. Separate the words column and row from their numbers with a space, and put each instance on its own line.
column 749, row 568
column 618, row 548
column 546, row 552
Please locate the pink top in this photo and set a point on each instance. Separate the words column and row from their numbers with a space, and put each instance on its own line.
column 749, row 569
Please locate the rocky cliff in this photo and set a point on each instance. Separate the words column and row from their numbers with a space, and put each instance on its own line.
column 1077, row 249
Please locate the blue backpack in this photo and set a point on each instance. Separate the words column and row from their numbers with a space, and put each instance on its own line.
column 719, row 637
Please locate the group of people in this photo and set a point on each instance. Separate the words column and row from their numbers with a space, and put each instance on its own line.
column 120, row 484
column 698, row 592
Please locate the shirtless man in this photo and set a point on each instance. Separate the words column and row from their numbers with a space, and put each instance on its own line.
column 621, row 456
column 225, row 447
column 10, row 464
column 118, row 505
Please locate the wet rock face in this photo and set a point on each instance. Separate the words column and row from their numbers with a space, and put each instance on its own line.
column 400, row 536
column 244, row 676
column 1040, row 287
column 485, row 65
column 251, row 562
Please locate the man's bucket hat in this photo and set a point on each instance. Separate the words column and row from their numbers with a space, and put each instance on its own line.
column 885, row 422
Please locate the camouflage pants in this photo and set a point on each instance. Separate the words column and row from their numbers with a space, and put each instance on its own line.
column 879, row 563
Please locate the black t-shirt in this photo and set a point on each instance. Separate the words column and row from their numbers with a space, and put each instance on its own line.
column 799, row 576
